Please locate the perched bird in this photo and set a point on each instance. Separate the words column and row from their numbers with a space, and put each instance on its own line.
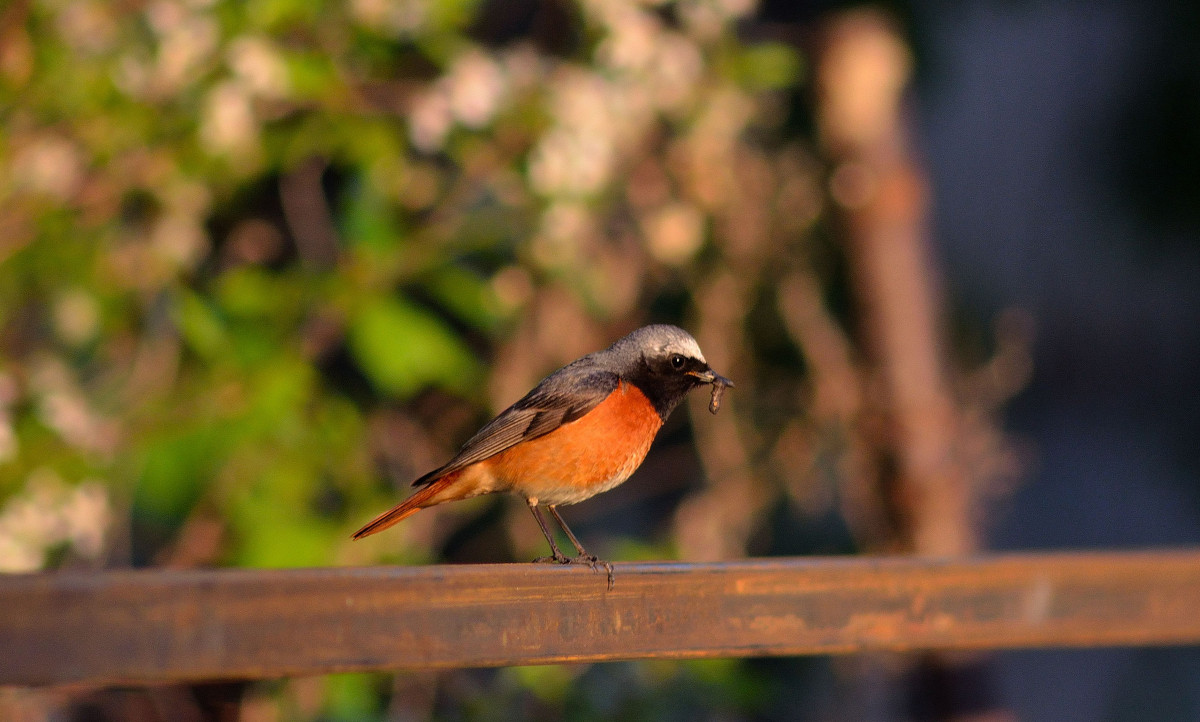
column 583, row 430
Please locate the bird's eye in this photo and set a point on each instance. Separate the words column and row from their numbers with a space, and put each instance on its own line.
column 677, row 361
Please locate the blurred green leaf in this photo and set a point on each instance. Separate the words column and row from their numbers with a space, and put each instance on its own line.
column 351, row 697
column 251, row 292
column 311, row 75
column 404, row 349
column 370, row 220
column 175, row 470
column 272, row 536
column 272, row 14
column 466, row 294
column 769, row 66
column 449, row 15
column 282, row 388
column 550, row 682
column 199, row 324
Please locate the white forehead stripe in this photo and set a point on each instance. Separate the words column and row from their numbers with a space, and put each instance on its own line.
column 657, row 340
column 685, row 346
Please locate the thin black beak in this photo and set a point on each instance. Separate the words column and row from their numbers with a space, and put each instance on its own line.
column 709, row 376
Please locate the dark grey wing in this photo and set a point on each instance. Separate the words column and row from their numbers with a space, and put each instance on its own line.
column 560, row 398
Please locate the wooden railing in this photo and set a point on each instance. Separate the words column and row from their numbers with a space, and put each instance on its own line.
column 158, row 626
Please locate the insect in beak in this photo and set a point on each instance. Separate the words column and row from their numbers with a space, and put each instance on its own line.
column 719, row 384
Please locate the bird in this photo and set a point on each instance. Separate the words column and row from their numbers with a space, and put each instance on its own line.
column 581, row 431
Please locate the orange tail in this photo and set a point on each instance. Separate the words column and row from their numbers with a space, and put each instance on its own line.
column 408, row 507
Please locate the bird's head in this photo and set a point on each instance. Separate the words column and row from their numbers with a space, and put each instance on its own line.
column 665, row 362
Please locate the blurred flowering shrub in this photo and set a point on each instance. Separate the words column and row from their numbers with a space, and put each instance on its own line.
column 263, row 263
column 258, row 259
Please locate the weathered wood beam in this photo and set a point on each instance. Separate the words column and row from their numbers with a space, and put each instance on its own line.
column 159, row 626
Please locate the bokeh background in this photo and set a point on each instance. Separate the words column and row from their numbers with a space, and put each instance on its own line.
column 263, row 263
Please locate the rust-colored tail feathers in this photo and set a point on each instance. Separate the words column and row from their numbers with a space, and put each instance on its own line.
column 408, row 507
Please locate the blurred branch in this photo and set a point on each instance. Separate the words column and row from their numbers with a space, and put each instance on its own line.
column 717, row 522
column 836, row 406
column 863, row 70
column 882, row 192
column 308, row 216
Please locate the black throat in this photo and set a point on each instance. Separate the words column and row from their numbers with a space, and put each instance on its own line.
column 664, row 391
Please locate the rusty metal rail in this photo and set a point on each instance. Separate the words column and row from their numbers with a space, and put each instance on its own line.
column 155, row 626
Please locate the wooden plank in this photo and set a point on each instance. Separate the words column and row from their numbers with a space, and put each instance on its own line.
column 154, row 626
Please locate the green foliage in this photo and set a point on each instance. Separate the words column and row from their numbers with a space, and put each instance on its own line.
column 769, row 66
column 259, row 260
column 351, row 697
column 404, row 349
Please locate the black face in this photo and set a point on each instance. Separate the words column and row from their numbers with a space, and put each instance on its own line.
column 666, row 379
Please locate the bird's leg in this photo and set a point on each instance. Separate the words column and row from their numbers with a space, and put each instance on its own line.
column 590, row 559
column 578, row 547
column 555, row 554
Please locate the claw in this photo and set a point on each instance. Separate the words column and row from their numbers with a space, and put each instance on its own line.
column 594, row 563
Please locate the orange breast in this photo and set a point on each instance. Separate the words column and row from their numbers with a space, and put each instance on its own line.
column 584, row 457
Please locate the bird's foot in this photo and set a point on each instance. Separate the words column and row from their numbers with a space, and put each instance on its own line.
column 595, row 563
